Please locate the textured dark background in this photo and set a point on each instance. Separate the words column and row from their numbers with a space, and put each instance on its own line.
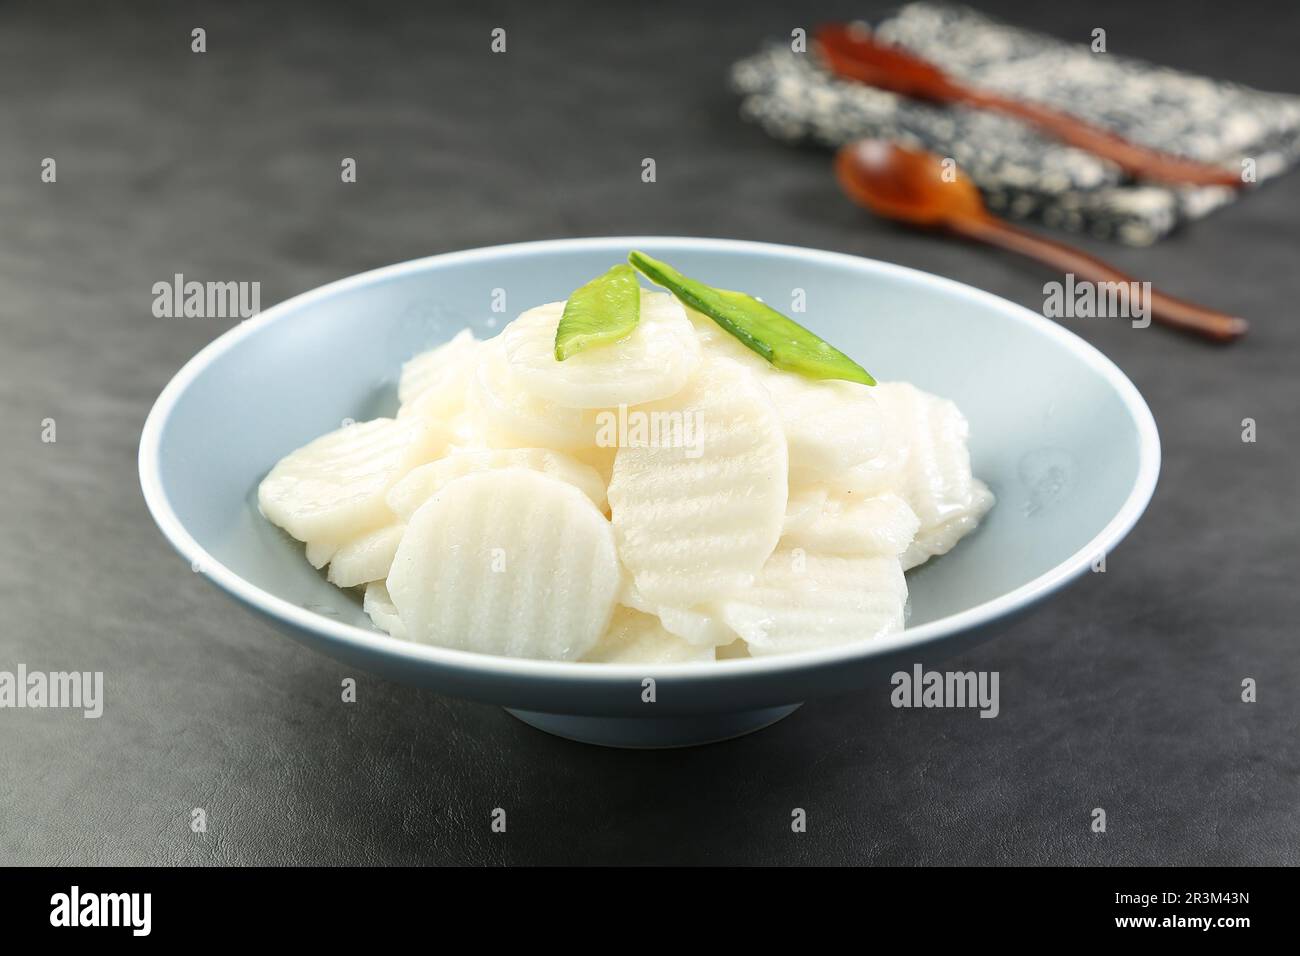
column 1123, row 693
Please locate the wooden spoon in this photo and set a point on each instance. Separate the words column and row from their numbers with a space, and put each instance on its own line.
column 910, row 186
column 852, row 53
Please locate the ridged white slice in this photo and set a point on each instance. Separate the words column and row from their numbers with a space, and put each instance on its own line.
column 436, row 367
column 886, row 471
column 382, row 610
column 697, row 522
column 509, row 562
column 700, row 626
column 802, row 601
column 634, row 637
column 366, row 559
column 803, row 507
column 847, row 525
column 936, row 479
column 943, row 537
column 424, row 482
column 332, row 490
column 652, row 362
column 511, row 416
column 830, row 426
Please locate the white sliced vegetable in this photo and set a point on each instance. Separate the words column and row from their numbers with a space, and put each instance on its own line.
column 652, row 362
column 752, row 511
column 511, row 416
column 436, row 367
column 427, row 480
column 700, row 626
column 367, row 558
column 509, row 562
column 599, row 458
column 802, row 601
column 466, row 434
column 943, row 537
column 803, row 507
column 444, row 402
column 333, row 489
column 698, row 521
column 847, row 525
column 936, row 479
column 886, row 471
column 629, row 596
column 320, row 552
column 830, row 426
column 637, row 638
column 382, row 611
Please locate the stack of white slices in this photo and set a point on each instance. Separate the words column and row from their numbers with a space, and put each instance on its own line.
column 668, row 497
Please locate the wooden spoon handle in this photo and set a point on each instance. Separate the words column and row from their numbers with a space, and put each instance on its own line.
column 1138, row 161
column 856, row 55
column 1165, row 309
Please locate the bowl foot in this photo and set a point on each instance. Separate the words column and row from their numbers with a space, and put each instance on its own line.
column 654, row 732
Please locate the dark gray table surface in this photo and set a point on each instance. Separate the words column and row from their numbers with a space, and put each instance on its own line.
column 1123, row 693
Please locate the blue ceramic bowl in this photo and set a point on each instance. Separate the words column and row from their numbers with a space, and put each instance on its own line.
column 1063, row 438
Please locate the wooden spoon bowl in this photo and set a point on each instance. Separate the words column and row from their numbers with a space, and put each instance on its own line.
column 918, row 188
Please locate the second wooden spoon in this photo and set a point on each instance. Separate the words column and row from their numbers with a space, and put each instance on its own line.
column 854, row 54
column 915, row 187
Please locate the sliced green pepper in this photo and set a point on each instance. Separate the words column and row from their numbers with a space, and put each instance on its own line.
column 604, row 310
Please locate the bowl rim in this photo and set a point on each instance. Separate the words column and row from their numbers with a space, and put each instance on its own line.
column 360, row 639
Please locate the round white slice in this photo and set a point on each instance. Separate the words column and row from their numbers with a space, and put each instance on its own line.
column 802, row 601
column 510, row 416
column 652, row 362
column 700, row 626
column 424, row 482
column 436, row 367
column 333, row 489
column 637, row 638
column 943, row 537
column 886, row 471
column 935, row 478
column 848, row 525
column 368, row 558
column 830, row 426
column 696, row 520
column 509, row 562
column 382, row 611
